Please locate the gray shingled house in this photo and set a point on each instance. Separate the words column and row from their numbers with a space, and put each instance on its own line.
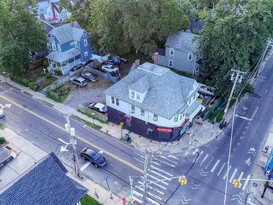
column 180, row 53
column 44, row 184
column 154, row 102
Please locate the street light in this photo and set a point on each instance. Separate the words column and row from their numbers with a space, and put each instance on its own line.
column 4, row 74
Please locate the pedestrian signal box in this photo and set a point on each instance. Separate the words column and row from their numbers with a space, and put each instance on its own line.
column 237, row 184
column 182, row 180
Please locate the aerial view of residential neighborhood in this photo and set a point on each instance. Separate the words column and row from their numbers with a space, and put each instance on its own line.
column 136, row 102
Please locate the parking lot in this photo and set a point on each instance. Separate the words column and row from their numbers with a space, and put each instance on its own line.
column 93, row 92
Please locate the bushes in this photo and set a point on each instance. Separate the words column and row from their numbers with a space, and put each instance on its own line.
column 45, row 63
column 48, row 75
column 20, row 80
column 2, row 140
column 33, row 86
column 57, row 72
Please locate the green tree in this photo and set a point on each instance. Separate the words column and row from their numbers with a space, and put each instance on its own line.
column 20, row 34
column 234, row 36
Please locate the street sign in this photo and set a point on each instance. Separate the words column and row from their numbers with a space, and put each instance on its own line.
column 121, row 124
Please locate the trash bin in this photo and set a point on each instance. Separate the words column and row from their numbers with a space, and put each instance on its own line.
column 127, row 138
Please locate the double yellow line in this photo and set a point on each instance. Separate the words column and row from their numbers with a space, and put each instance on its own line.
column 78, row 137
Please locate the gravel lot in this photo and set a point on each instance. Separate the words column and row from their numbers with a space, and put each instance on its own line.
column 93, row 92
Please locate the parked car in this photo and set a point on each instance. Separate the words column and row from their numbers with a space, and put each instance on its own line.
column 94, row 157
column 2, row 113
column 89, row 76
column 109, row 68
column 78, row 81
column 99, row 107
column 74, row 69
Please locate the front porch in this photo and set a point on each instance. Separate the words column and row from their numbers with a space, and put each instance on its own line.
column 63, row 61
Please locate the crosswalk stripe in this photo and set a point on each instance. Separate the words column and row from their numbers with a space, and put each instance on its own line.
column 168, row 159
column 209, row 162
column 241, row 175
column 215, row 165
column 203, row 160
column 164, row 172
column 187, row 152
column 153, row 162
column 233, row 175
column 246, row 182
column 221, row 169
column 151, row 182
column 162, row 161
column 227, row 172
column 173, row 157
column 141, row 195
column 85, row 165
column 161, row 175
column 198, row 157
column 163, row 182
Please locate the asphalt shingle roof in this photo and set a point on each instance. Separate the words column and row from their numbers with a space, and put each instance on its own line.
column 45, row 184
column 67, row 33
column 167, row 91
column 63, row 56
column 183, row 41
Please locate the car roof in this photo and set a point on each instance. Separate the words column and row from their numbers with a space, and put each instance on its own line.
column 80, row 79
column 89, row 151
column 99, row 105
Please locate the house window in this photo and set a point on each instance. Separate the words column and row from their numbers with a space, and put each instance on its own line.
column 155, row 117
column 84, row 35
column 142, row 112
column 133, row 109
column 53, row 46
column 76, row 44
column 49, row 46
column 71, row 43
column 85, row 53
column 85, row 42
column 190, row 56
column 171, row 52
column 175, row 118
column 113, row 100
column 133, row 94
column 59, row 47
column 138, row 96
column 180, row 117
column 170, row 63
column 117, row 102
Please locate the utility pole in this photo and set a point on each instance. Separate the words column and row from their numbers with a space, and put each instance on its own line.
column 73, row 141
column 238, row 74
column 145, row 177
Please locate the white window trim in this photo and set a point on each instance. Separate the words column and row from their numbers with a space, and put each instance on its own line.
column 76, row 44
column 169, row 63
column 190, row 55
column 155, row 117
column 54, row 47
column 133, row 109
column 142, row 112
column 133, row 94
column 85, row 53
column 175, row 118
column 72, row 43
column 59, row 47
column 171, row 53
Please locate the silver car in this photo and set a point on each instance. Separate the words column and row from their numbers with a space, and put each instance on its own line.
column 78, row 81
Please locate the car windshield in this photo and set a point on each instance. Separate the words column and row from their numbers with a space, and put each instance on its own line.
column 96, row 156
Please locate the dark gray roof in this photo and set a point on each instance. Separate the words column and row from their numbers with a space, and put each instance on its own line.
column 67, row 33
column 183, row 41
column 45, row 184
column 60, row 57
column 141, row 85
column 167, row 91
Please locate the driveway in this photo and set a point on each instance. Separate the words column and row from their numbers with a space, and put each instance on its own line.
column 93, row 92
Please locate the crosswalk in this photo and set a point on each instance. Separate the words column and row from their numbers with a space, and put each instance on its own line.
column 211, row 164
column 158, row 179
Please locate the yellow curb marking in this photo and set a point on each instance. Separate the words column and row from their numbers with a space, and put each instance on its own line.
column 78, row 137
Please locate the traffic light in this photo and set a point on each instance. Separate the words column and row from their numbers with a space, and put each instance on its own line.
column 182, row 180
column 237, row 184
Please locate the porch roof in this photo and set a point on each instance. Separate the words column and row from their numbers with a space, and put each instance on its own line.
column 60, row 57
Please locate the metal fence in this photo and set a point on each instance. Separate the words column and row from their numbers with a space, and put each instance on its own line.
column 91, row 113
column 58, row 83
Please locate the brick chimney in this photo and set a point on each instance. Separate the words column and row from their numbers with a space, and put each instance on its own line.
column 53, row 10
column 155, row 58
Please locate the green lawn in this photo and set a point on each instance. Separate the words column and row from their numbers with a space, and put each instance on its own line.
column 88, row 200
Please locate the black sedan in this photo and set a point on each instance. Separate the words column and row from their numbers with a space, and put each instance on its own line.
column 94, row 157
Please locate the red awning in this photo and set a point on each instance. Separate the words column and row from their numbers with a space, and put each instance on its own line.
column 52, row 19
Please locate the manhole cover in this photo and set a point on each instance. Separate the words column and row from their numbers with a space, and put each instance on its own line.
column 255, row 184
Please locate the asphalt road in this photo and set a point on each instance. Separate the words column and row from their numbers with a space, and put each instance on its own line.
column 43, row 126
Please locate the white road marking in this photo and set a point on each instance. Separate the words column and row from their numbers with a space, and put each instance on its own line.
column 173, row 157
column 246, row 182
column 233, row 175
column 241, row 175
column 141, row 195
column 221, row 169
column 162, row 161
column 227, row 172
column 204, row 159
column 166, row 173
column 85, row 165
column 153, row 162
column 209, row 162
column 158, row 180
column 151, row 182
column 215, row 165
column 199, row 156
column 161, row 175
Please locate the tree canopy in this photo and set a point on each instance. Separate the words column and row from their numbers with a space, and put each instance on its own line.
column 235, row 35
column 20, row 34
